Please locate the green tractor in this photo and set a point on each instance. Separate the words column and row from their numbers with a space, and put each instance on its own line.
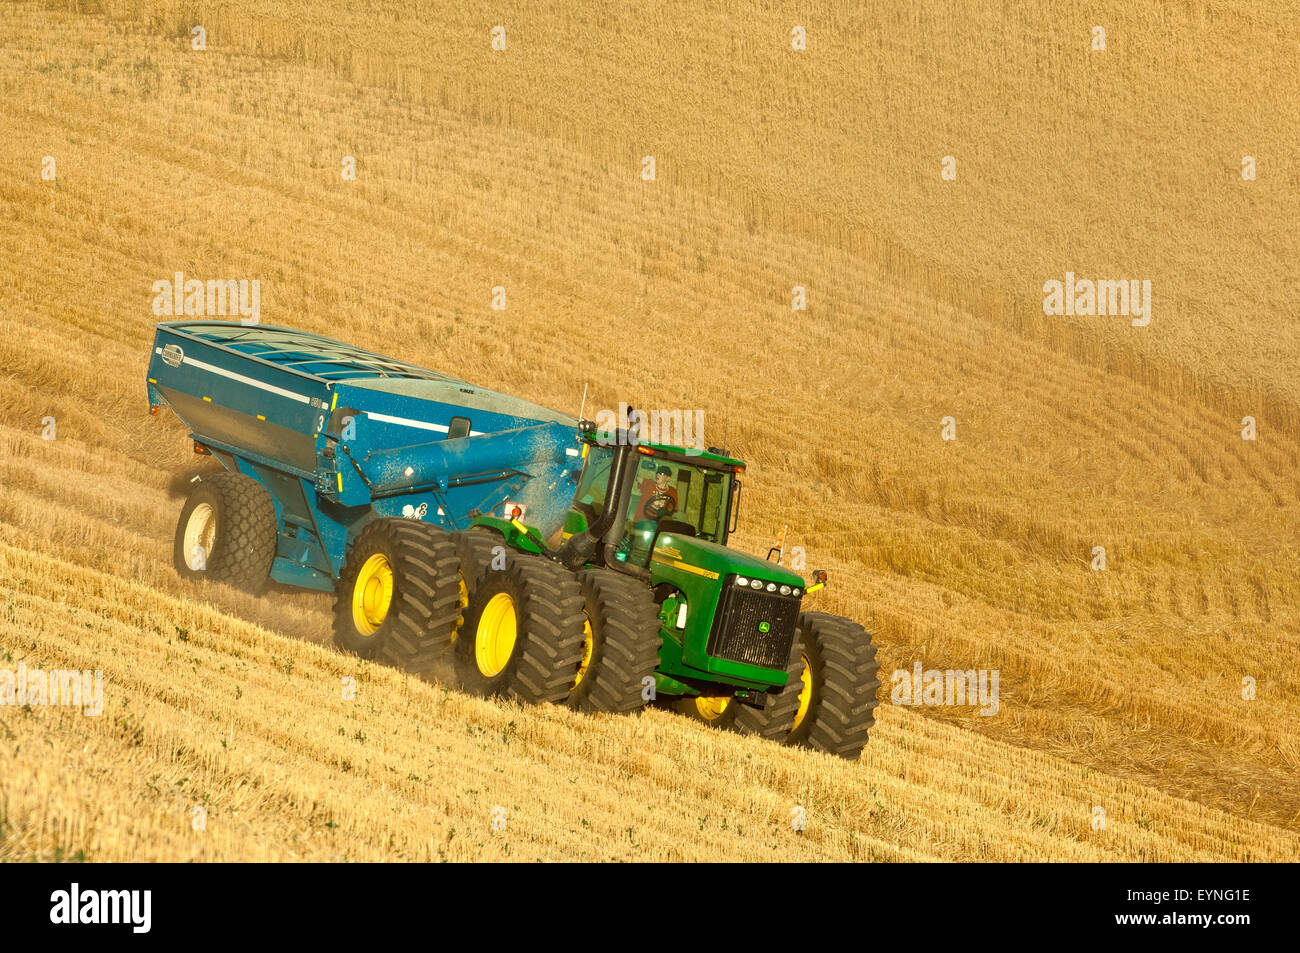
column 639, row 599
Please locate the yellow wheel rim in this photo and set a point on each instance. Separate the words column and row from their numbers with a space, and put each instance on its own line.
column 494, row 641
column 201, row 532
column 588, row 646
column 805, row 693
column 711, row 708
column 373, row 594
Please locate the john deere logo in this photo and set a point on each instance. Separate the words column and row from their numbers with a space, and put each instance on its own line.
column 765, row 627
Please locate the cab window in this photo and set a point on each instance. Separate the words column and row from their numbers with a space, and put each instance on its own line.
column 674, row 497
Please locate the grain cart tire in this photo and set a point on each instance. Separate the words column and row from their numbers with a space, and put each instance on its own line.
column 477, row 548
column 396, row 599
column 620, row 647
column 226, row 532
column 837, row 701
column 523, row 632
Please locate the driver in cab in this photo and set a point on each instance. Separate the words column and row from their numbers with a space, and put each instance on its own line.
column 658, row 498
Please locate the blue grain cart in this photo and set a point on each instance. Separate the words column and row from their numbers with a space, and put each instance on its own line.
column 557, row 564
column 320, row 439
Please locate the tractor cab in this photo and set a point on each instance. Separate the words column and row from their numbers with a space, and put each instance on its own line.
column 666, row 490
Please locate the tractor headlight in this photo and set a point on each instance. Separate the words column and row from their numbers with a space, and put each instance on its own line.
column 785, row 590
column 771, row 587
column 742, row 581
column 796, row 591
column 755, row 584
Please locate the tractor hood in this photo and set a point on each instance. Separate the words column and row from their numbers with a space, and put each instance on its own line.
column 688, row 553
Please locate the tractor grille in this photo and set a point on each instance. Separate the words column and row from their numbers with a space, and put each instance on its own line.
column 737, row 634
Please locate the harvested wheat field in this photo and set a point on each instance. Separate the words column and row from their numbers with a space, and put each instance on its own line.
column 521, row 169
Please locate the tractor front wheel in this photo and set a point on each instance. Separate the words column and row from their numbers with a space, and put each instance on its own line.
column 397, row 597
column 775, row 720
column 716, row 711
column 836, row 703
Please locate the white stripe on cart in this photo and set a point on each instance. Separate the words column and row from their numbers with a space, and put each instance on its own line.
column 213, row 369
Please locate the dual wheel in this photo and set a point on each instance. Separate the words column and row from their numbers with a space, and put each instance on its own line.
column 515, row 624
column 829, row 701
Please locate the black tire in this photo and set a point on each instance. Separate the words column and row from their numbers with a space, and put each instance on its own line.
column 477, row 549
column 420, row 618
column 547, row 604
column 844, row 677
column 231, row 519
column 625, row 640
column 774, row 721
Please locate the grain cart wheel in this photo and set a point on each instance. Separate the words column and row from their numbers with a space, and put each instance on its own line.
column 481, row 550
column 396, row 598
column 523, row 632
column 620, row 646
column 226, row 532
column 837, row 698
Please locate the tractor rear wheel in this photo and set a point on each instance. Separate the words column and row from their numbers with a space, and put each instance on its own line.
column 397, row 595
column 481, row 550
column 620, row 647
column 523, row 632
column 227, row 532
column 837, row 698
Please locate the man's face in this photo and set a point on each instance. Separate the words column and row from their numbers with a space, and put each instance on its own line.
column 663, row 480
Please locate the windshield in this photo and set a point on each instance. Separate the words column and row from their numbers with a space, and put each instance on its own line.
column 680, row 498
column 667, row 495
column 673, row 497
column 589, row 498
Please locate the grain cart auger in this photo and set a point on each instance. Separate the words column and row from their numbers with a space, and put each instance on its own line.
column 552, row 562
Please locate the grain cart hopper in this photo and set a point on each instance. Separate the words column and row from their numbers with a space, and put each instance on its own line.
column 553, row 562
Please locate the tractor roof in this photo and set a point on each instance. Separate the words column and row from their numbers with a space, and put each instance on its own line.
column 605, row 438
